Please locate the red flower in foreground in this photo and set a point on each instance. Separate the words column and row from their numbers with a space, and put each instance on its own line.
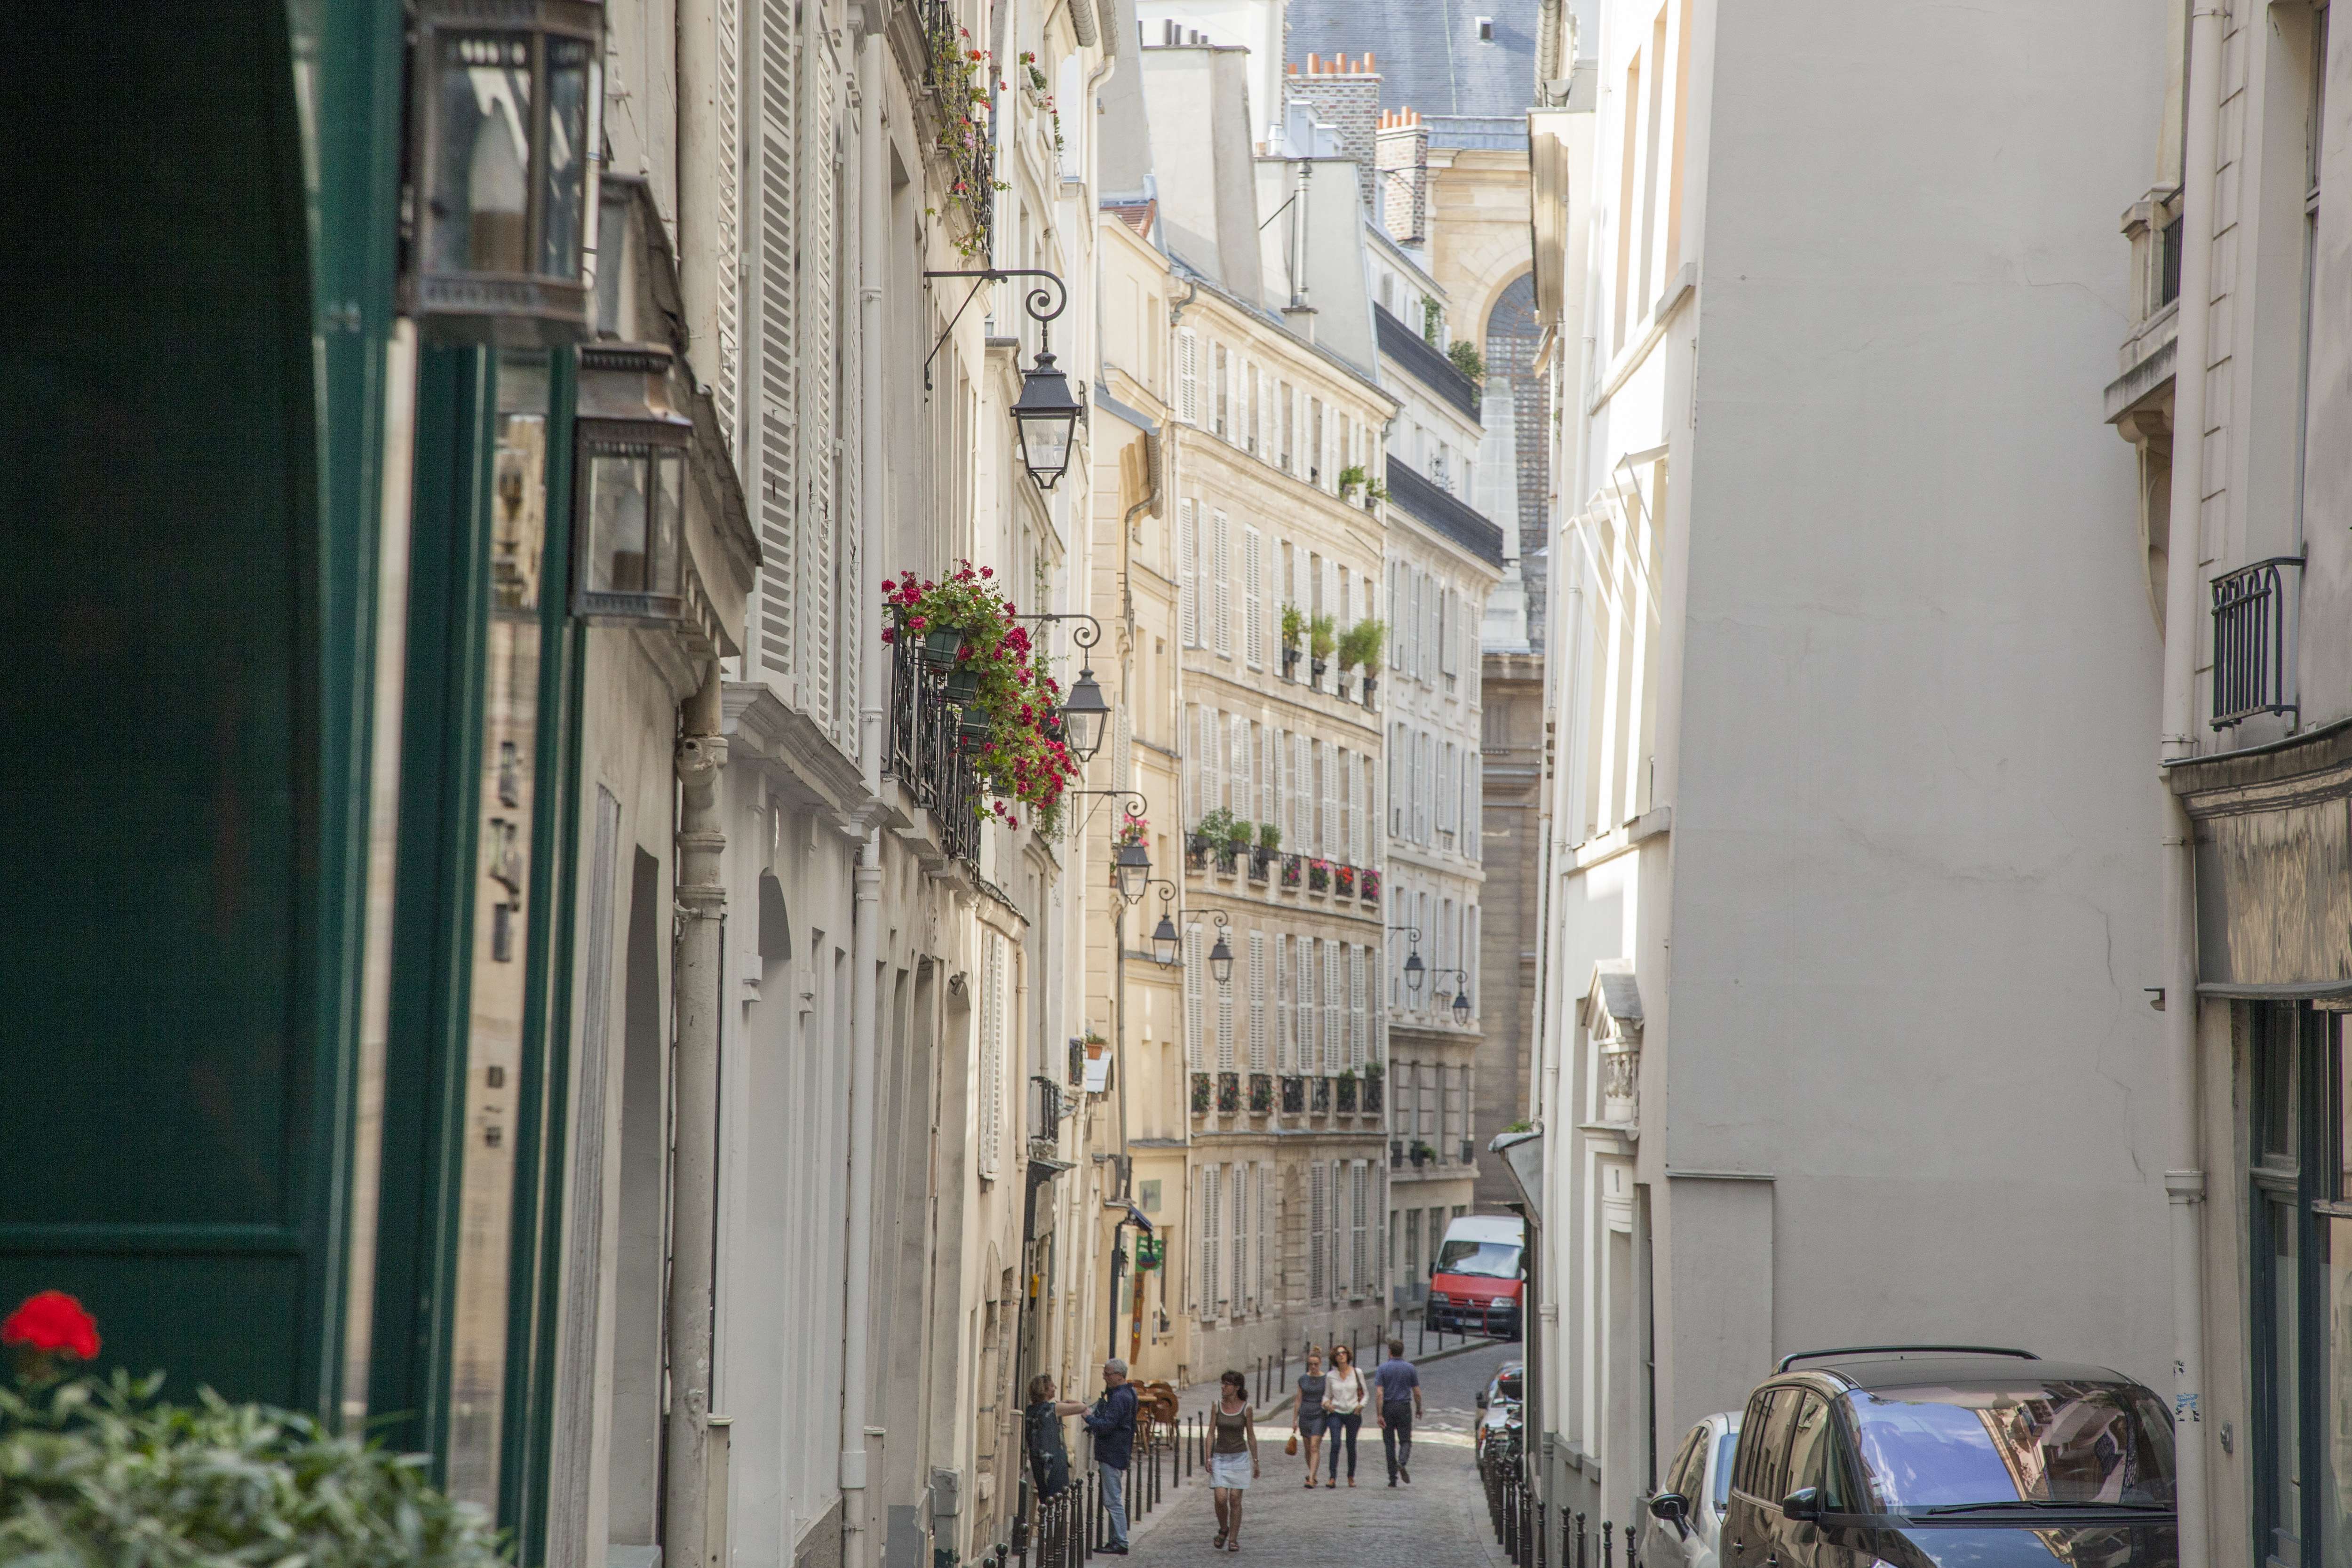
column 52, row 1321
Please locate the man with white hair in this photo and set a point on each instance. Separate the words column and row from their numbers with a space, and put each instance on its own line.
column 1112, row 1422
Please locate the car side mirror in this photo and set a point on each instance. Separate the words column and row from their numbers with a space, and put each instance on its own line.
column 1804, row 1504
column 1482, row 1400
column 1433, row 1268
column 1672, row 1507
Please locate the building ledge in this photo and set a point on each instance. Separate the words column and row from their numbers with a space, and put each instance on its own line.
column 2149, row 375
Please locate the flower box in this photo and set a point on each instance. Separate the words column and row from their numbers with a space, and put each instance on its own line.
column 1293, row 866
column 1347, row 1093
column 1318, row 875
column 1367, row 886
column 1199, row 1094
column 1261, row 1088
column 1229, row 1092
column 1343, row 880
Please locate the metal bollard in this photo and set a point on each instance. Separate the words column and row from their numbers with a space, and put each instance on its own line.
column 1608, row 1551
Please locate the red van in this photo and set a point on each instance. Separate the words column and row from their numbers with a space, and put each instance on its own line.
column 1478, row 1280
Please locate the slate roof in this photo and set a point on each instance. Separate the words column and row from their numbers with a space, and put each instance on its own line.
column 1428, row 51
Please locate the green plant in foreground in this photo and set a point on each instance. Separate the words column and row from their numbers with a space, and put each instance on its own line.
column 1322, row 636
column 94, row 1475
column 1269, row 837
column 1361, row 644
column 1468, row 361
column 1294, row 625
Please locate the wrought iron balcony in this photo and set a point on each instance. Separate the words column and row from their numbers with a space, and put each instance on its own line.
column 1293, row 1095
column 1261, row 1092
column 924, row 755
column 1044, row 1110
column 2249, row 642
column 1229, row 1092
column 1375, row 1093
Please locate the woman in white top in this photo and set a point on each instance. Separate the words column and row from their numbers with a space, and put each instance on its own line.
column 1343, row 1409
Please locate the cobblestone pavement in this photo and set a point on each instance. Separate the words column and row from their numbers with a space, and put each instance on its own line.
column 1439, row 1519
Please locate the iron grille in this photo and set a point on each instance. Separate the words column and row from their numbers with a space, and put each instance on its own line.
column 2249, row 614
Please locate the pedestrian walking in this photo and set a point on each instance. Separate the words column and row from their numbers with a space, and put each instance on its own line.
column 1398, row 1386
column 1306, row 1415
column 1049, row 1457
column 1343, row 1409
column 1232, row 1458
column 1112, row 1421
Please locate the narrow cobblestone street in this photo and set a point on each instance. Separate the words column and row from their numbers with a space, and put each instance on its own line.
column 1440, row 1517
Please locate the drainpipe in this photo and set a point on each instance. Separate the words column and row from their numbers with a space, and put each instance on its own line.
column 2184, row 1179
column 866, row 923
column 694, row 1191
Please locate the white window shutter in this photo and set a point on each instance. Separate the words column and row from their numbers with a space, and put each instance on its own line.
column 1213, row 759
column 1359, row 1257
column 1328, row 836
column 1189, row 739
column 1253, row 600
column 1241, row 1239
column 1356, row 1007
column 1188, row 376
column 1225, row 1026
column 1187, row 589
column 1257, row 1053
column 1474, row 802
column 1241, row 773
column 1261, row 1283
column 1396, row 793
column 1221, row 612
column 1268, row 802
column 1334, row 1042
column 1193, row 997
column 1319, row 1219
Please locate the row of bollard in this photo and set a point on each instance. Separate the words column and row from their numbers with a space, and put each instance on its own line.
column 1522, row 1527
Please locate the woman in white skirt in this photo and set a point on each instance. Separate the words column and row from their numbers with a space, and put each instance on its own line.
column 1232, row 1458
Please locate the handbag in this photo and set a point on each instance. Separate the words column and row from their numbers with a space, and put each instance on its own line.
column 1291, row 1447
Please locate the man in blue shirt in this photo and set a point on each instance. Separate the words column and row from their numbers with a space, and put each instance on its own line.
column 1399, row 1387
column 1112, row 1422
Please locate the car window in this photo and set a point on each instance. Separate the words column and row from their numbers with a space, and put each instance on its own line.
column 1768, row 1479
column 1813, row 1453
column 1726, row 1447
column 1683, row 1475
column 2086, row 1443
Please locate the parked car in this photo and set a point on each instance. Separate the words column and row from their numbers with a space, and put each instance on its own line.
column 1478, row 1276
column 1499, row 1407
column 1688, row 1533
column 1942, row 1456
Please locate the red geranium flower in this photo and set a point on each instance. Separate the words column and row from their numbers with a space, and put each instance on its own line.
column 52, row 1321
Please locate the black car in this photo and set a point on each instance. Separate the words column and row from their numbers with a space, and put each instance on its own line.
column 1940, row 1457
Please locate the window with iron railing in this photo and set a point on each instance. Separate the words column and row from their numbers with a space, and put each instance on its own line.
column 2251, row 639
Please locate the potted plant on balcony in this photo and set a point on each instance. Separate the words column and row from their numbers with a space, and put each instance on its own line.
column 1216, row 833
column 1343, row 880
column 1199, row 1094
column 1294, row 633
column 1375, row 1080
column 1229, row 1092
column 1009, row 705
column 1292, row 864
column 1347, row 1090
column 1238, row 838
column 1422, row 1152
column 1318, row 875
column 1374, row 493
column 1351, row 479
column 1362, row 645
column 1368, row 885
column 1261, row 1092
column 1269, row 841
column 1322, row 641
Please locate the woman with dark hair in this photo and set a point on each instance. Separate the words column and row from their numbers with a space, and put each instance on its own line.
column 1343, row 1409
column 1232, row 1458
column 1049, row 1461
column 1306, row 1415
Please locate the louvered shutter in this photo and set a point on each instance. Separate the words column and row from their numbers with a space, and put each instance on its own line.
column 1267, row 1287
column 1122, row 737
column 1359, row 1256
column 1225, row 1026
column 1349, row 820
column 1241, row 1295
column 1253, row 600
column 1241, row 773
column 1333, row 1041
column 1195, row 998
column 1257, row 1052
column 1266, row 799
column 1327, row 830
column 1212, row 761
column 727, row 103
column 1217, row 1281
column 1188, row 376
column 1220, row 576
column 1286, row 1024
column 1355, row 1019
column 992, row 1053
column 1396, row 591
column 1188, row 739
column 775, row 432
column 852, row 648
column 1309, row 1058
column 1396, row 793
column 1318, row 1220
column 1474, row 802
column 819, row 168
column 1187, row 591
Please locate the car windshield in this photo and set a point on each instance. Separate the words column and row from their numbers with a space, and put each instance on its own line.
column 1506, row 1386
column 1489, row 1260
column 1725, row 1447
column 2059, row 1442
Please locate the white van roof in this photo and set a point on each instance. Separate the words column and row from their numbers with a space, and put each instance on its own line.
column 1505, row 1228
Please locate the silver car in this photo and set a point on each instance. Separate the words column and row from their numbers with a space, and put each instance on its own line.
column 1682, row 1525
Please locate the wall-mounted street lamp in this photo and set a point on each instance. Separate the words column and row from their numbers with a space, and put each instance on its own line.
column 1085, row 712
column 1045, row 415
column 499, row 101
column 1414, row 968
column 1165, row 943
column 1457, row 983
column 1221, row 957
column 629, row 524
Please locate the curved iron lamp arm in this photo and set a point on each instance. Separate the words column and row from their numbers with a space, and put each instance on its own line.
column 1033, row 301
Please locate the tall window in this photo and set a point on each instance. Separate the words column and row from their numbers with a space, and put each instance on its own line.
column 1223, row 378
column 1188, row 376
column 1257, row 1052
column 1254, row 621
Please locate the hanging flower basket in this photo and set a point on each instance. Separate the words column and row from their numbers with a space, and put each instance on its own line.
column 963, row 687
column 940, row 644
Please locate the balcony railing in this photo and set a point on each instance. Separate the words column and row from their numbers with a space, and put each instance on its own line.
column 924, row 756
column 2249, row 642
column 1293, row 1095
column 1044, row 1110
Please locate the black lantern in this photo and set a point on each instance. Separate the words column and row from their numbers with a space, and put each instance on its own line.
column 501, row 110
column 1129, row 869
column 1461, row 1007
column 1164, row 942
column 1046, row 415
column 1085, row 718
column 1221, row 960
column 1414, row 970
column 629, row 530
